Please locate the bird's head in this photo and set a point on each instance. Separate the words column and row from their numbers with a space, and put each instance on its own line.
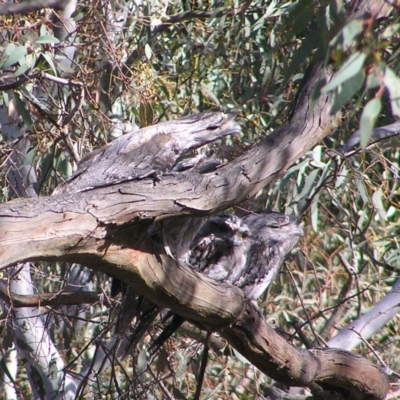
column 230, row 228
column 274, row 229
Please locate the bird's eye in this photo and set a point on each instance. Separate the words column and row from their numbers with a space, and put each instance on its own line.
column 245, row 235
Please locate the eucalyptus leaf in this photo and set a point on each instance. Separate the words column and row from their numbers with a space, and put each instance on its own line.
column 148, row 51
column 22, row 68
column 361, row 189
column 377, row 202
column 350, row 31
column 390, row 31
column 368, row 119
column 244, row 360
column 309, row 184
column 349, row 69
column 12, row 55
column 346, row 91
column 48, row 58
column 314, row 213
column 47, row 40
column 22, row 111
column 392, row 84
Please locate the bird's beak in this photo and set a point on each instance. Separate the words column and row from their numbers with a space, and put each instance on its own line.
column 236, row 242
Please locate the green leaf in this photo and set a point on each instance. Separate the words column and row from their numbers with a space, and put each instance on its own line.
column 346, row 91
column 147, row 51
column 48, row 58
column 22, row 68
column 377, row 203
column 65, row 168
column 5, row 98
column 349, row 69
column 309, row 184
column 368, row 119
column 361, row 189
column 22, row 111
column 47, row 39
column 374, row 79
column 43, row 30
column 392, row 84
column 317, row 157
column 390, row 31
column 350, row 31
column 31, row 155
column 12, row 55
column 241, row 358
column 314, row 213
column 141, row 362
column 146, row 114
column 341, row 178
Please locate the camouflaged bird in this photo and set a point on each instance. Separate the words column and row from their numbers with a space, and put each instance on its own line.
column 219, row 250
column 273, row 236
column 264, row 240
column 149, row 152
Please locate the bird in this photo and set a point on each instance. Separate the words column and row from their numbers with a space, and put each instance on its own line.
column 273, row 236
column 149, row 152
column 219, row 250
column 262, row 242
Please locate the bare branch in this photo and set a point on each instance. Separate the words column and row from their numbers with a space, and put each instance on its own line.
column 28, row 6
column 61, row 298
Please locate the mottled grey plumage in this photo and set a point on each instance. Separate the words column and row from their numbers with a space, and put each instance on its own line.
column 273, row 235
column 219, row 250
column 148, row 152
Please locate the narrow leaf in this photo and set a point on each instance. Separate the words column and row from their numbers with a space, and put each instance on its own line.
column 392, row 84
column 14, row 56
column 47, row 39
column 22, row 111
column 346, row 91
column 50, row 62
column 147, row 51
column 377, row 203
column 351, row 30
column 361, row 189
column 390, row 31
column 315, row 213
column 241, row 358
column 368, row 119
column 309, row 184
column 349, row 69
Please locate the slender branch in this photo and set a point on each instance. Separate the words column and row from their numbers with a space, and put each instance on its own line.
column 188, row 15
column 28, row 6
column 51, row 299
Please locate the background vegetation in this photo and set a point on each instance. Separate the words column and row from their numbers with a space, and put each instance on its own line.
column 136, row 63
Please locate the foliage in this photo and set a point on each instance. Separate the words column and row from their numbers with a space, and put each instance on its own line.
column 137, row 63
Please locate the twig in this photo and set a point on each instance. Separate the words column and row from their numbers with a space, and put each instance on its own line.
column 50, row 299
column 203, row 365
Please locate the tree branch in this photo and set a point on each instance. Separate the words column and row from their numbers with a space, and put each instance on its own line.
column 61, row 298
column 28, row 6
